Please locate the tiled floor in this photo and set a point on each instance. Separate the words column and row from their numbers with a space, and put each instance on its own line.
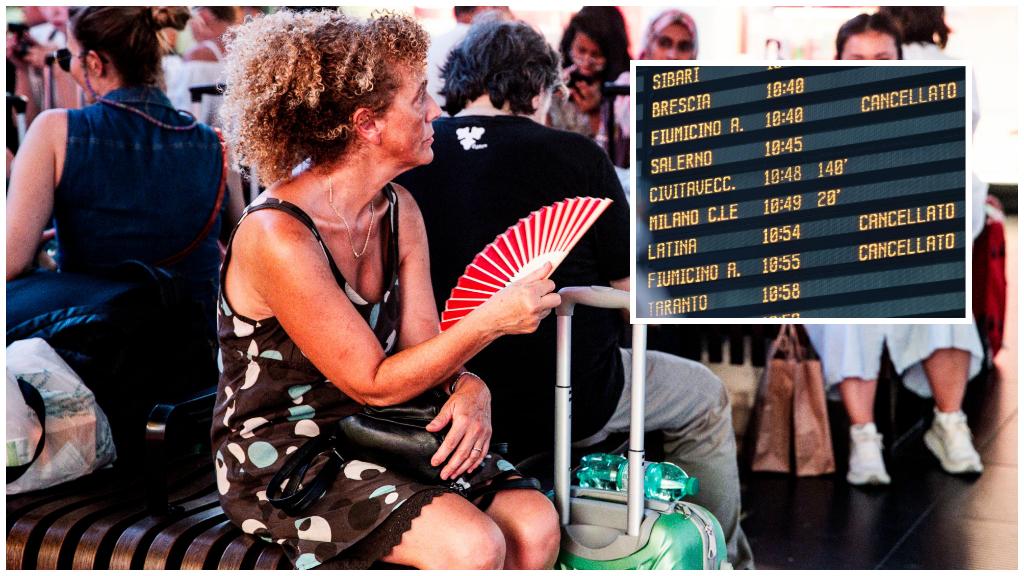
column 926, row 519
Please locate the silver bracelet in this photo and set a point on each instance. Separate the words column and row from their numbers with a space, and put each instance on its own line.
column 455, row 382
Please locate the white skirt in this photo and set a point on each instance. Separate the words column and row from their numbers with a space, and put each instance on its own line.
column 855, row 350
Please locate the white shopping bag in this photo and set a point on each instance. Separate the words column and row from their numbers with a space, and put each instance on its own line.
column 78, row 439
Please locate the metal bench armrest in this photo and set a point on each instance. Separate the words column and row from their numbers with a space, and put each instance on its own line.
column 164, row 425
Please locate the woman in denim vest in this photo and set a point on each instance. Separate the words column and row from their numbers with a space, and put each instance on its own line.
column 127, row 177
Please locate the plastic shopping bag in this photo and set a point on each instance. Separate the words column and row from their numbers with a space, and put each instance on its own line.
column 77, row 437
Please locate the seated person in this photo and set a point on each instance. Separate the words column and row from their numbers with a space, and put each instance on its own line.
column 931, row 359
column 494, row 162
column 127, row 177
column 326, row 305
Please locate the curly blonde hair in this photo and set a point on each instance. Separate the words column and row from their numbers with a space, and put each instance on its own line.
column 295, row 79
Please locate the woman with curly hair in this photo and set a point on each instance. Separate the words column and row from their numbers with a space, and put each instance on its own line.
column 127, row 177
column 326, row 305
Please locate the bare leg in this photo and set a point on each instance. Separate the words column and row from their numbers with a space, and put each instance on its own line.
column 530, row 525
column 451, row 534
column 859, row 399
column 947, row 374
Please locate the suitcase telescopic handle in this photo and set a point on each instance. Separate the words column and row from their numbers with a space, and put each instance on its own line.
column 598, row 297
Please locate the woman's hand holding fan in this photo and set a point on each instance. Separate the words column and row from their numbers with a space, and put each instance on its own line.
column 519, row 307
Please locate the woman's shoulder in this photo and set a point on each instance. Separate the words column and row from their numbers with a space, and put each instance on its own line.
column 410, row 219
column 273, row 236
column 410, row 211
column 52, row 118
column 51, row 126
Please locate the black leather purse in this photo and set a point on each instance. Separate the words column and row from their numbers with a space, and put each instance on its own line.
column 392, row 436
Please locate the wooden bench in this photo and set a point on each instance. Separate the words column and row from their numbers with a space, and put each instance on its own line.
column 158, row 513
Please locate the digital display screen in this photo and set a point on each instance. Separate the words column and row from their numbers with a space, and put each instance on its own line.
column 800, row 191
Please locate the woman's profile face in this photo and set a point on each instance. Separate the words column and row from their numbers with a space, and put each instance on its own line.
column 408, row 132
column 674, row 42
column 870, row 45
column 586, row 55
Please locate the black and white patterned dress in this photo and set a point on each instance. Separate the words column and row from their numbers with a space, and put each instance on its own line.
column 271, row 399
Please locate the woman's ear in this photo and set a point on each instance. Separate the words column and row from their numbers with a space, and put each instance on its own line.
column 94, row 64
column 368, row 126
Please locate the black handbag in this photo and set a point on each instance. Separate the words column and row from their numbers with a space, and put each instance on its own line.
column 392, row 436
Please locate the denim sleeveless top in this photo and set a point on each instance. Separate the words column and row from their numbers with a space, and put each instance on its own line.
column 131, row 190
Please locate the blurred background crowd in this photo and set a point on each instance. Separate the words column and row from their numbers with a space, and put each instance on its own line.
column 985, row 35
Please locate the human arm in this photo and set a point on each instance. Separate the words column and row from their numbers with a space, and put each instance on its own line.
column 34, row 177
column 289, row 277
column 288, row 272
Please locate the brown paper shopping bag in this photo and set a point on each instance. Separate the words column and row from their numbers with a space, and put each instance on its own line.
column 812, row 438
column 774, row 412
column 792, row 417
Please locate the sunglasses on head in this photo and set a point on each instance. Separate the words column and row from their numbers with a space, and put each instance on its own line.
column 666, row 43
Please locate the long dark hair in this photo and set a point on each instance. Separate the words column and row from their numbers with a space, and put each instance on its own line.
column 862, row 23
column 605, row 26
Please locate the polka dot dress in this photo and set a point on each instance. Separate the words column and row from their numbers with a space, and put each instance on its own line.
column 271, row 399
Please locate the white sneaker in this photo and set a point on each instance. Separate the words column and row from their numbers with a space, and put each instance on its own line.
column 949, row 439
column 866, row 465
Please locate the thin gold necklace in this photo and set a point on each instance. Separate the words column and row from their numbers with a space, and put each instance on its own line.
column 348, row 229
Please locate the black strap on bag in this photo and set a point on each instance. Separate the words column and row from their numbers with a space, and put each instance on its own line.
column 35, row 402
column 296, row 495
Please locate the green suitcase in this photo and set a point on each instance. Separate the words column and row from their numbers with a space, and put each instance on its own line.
column 609, row 530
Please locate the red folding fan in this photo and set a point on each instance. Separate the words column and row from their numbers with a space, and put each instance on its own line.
column 546, row 235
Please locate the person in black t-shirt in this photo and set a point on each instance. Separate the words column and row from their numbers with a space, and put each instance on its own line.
column 494, row 163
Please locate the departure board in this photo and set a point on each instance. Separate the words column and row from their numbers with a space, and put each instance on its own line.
column 800, row 192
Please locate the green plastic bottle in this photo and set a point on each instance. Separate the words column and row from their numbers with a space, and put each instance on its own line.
column 602, row 471
column 667, row 482
column 662, row 480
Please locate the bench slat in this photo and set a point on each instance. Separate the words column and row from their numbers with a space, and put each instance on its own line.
column 169, row 545
column 96, row 544
column 208, row 545
column 130, row 550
